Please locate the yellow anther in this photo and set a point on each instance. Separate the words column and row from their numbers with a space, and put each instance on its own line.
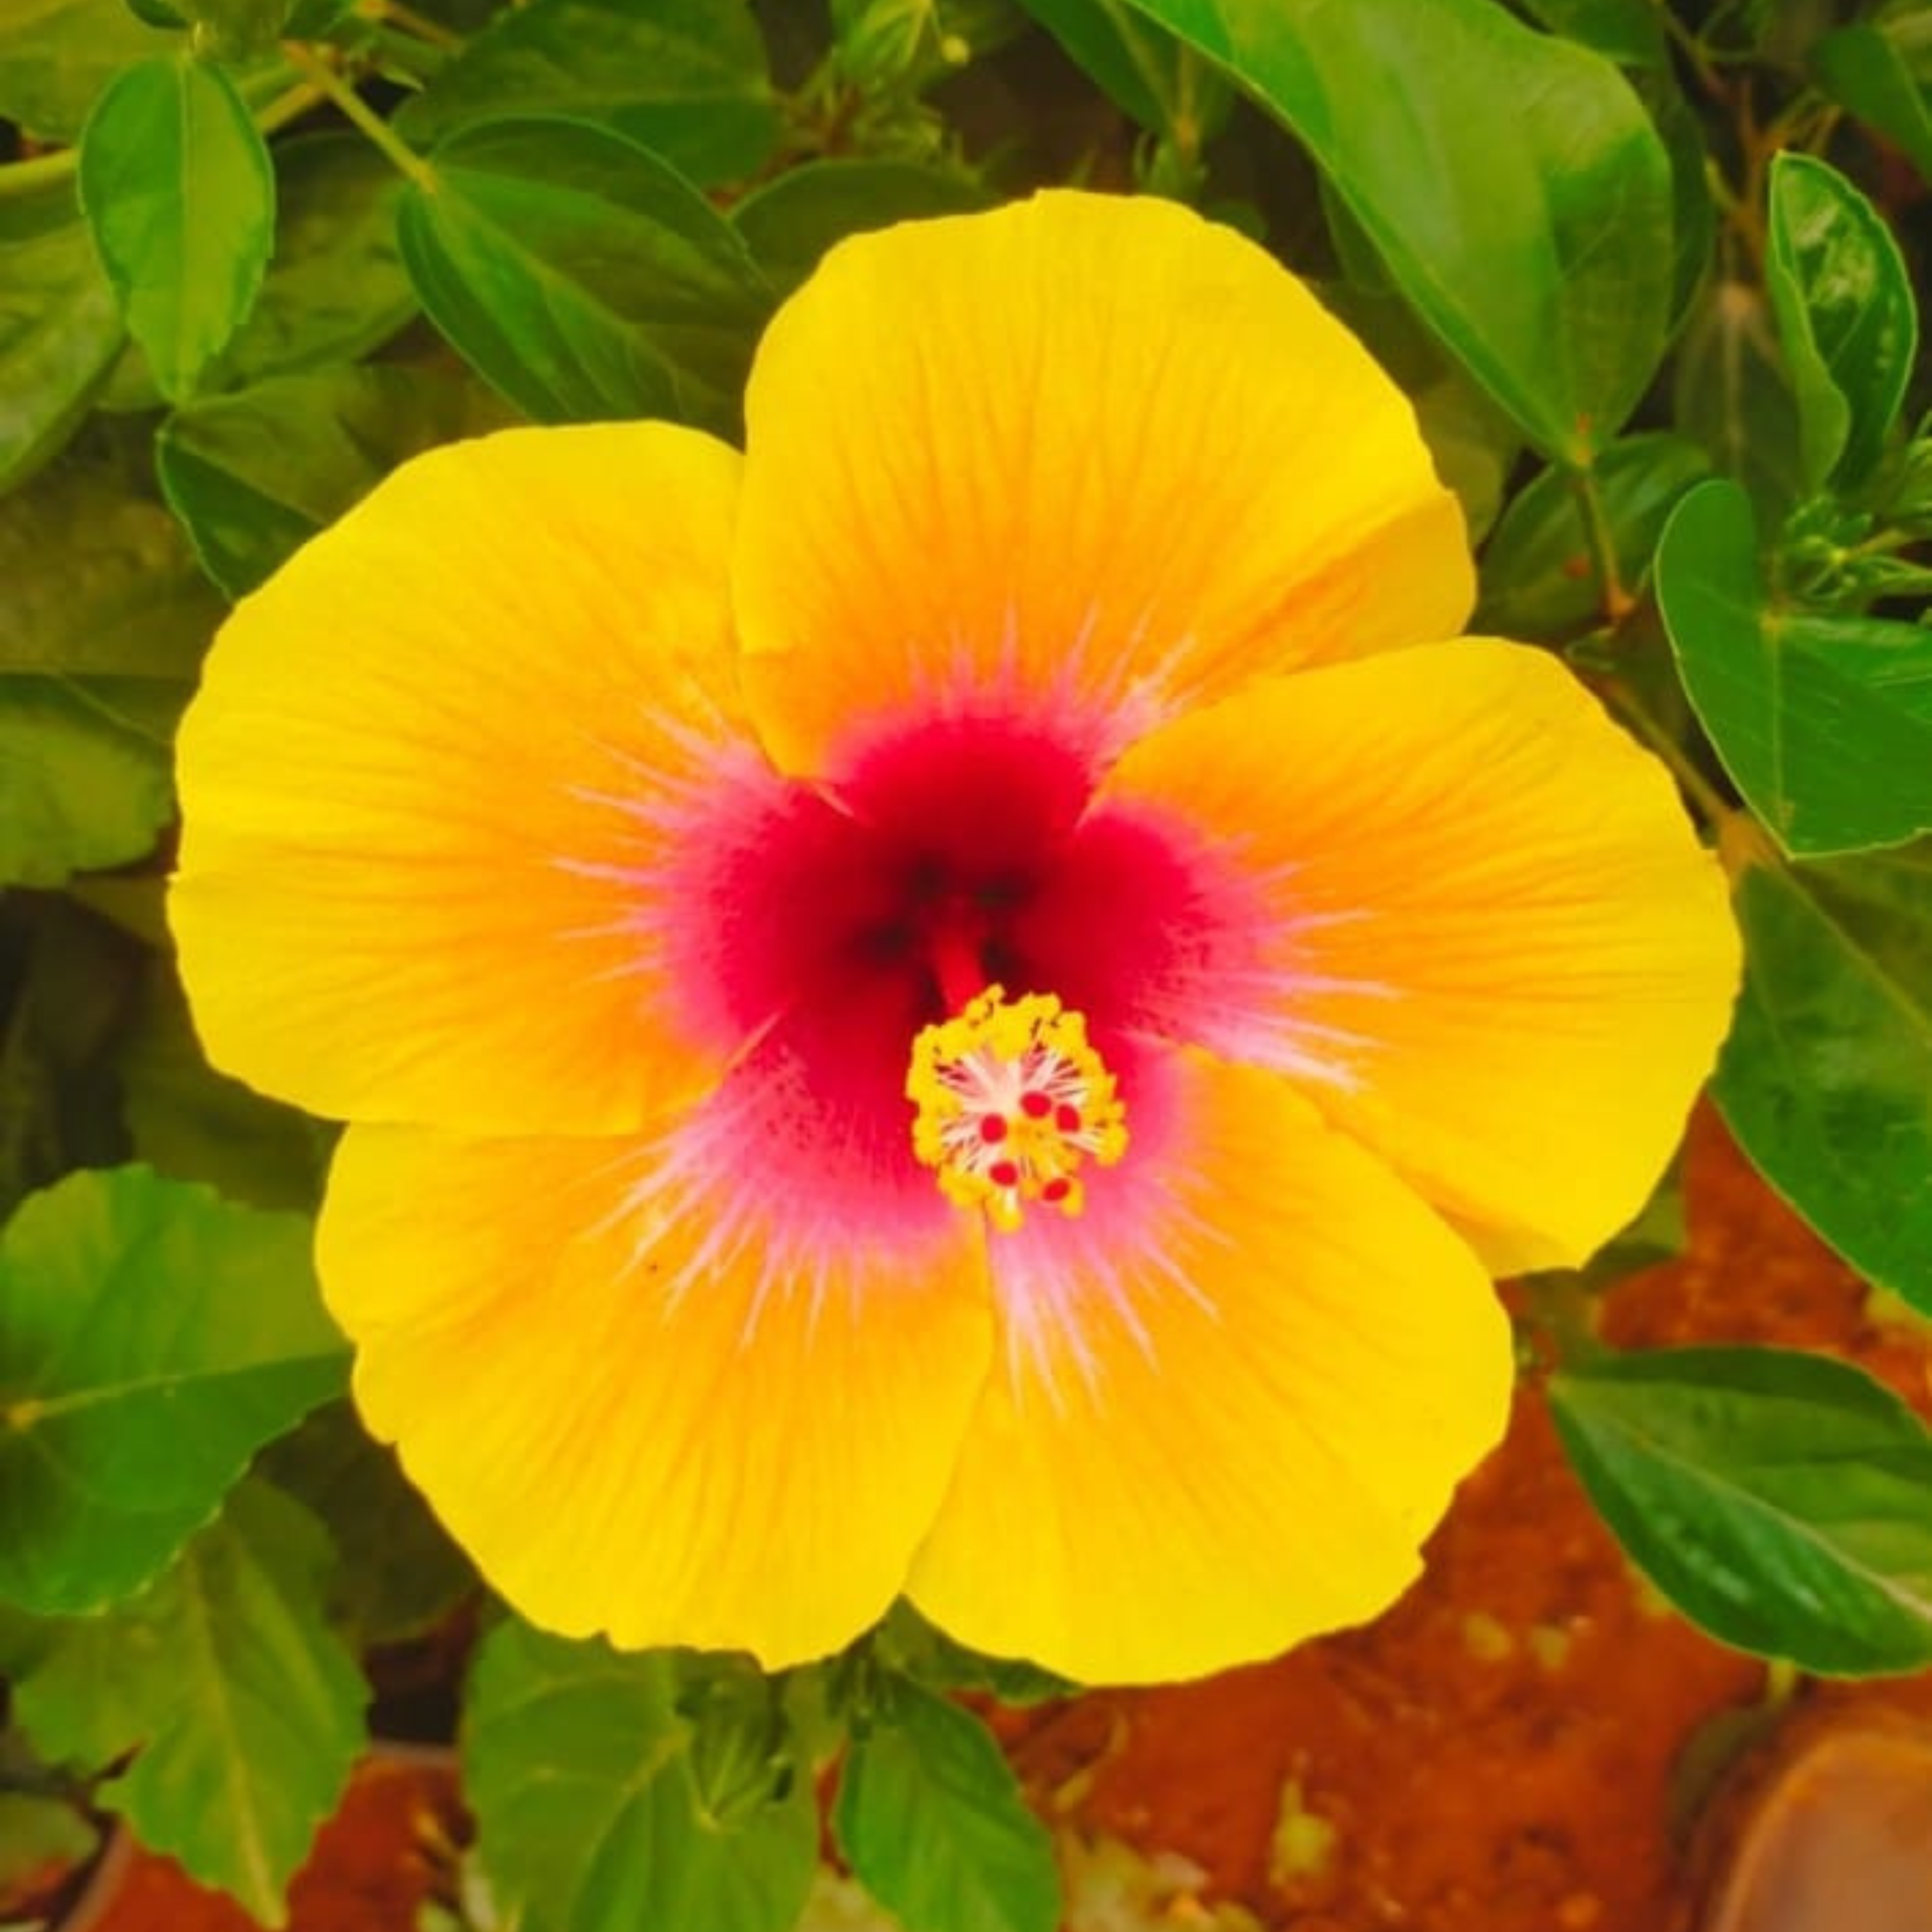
column 1011, row 1102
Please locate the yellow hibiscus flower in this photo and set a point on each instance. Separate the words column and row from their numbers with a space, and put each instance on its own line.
column 960, row 1004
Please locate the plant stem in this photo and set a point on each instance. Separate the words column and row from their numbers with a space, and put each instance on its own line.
column 411, row 22
column 18, row 179
column 367, row 121
column 1618, row 603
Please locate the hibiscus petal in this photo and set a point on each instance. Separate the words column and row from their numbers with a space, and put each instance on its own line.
column 643, row 1405
column 435, row 764
column 1473, row 920
column 1236, row 1392
column 1088, row 455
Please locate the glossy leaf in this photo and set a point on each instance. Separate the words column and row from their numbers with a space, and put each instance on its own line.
column 152, row 1337
column 59, row 329
column 583, row 277
column 254, row 475
column 1538, row 577
column 1826, row 1080
column 1860, row 68
column 930, row 1817
column 1824, row 722
column 56, row 55
column 1778, row 1499
column 84, row 782
column 99, row 582
column 790, row 223
column 684, row 78
column 1845, row 315
column 336, row 287
column 181, row 196
column 1512, row 183
column 583, row 1772
column 246, row 1707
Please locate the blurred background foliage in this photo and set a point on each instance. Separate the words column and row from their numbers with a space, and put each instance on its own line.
column 1650, row 270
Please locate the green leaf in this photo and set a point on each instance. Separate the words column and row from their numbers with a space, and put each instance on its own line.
column 190, row 1122
column 1538, row 578
column 1778, row 1499
column 1826, row 1080
column 336, row 287
column 1845, row 315
column 180, row 193
column 99, row 580
column 584, row 1773
column 59, row 329
column 789, row 224
column 930, row 1817
column 1628, row 31
column 40, row 1838
column 1147, row 73
column 684, row 78
column 1824, row 722
column 247, row 1708
column 56, row 55
column 1861, row 70
column 1512, row 184
column 84, row 783
column 1730, row 393
column 152, row 1337
column 255, row 474
column 582, row 277
column 397, row 1574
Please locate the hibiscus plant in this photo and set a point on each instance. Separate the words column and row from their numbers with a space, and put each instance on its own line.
column 853, row 856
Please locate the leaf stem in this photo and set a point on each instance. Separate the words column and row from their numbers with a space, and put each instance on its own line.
column 343, row 96
column 18, row 179
column 1618, row 603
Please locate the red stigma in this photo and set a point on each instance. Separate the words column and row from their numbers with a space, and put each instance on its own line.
column 993, row 1127
column 1036, row 1106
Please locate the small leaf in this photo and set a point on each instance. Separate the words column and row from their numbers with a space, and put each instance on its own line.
column 582, row 1771
column 1845, row 314
column 684, row 78
column 59, row 330
column 56, row 55
column 1538, row 577
column 254, row 475
column 397, row 1574
column 83, row 783
column 99, row 580
column 152, row 1337
column 1778, row 1499
column 790, row 223
column 1513, row 184
column 336, row 287
column 582, row 277
column 1859, row 67
column 181, row 196
column 1826, row 1080
column 930, row 1817
column 1730, row 393
column 248, row 1709
column 1825, row 722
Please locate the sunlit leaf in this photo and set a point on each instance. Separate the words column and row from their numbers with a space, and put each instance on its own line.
column 1826, row 1080
column 1512, row 183
column 181, row 196
column 152, row 1337
column 1778, row 1499
column 1845, row 314
column 56, row 55
column 1825, row 722
column 684, row 78
column 584, row 1771
column 582, row 277
column 246, row 1707
column 930, row 1817
column 1626, row 31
